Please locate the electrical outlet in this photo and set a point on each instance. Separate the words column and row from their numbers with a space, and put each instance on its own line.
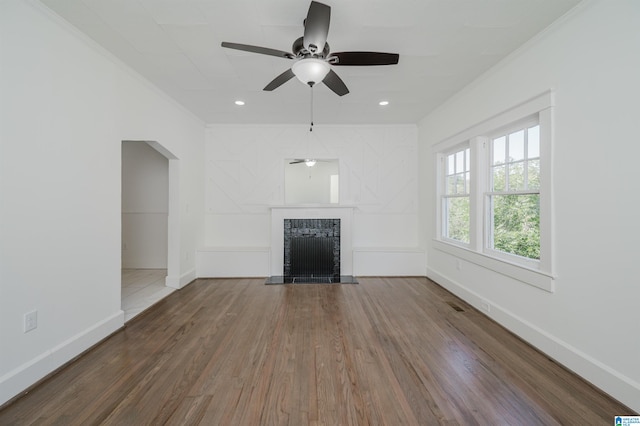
column 30, row 321
column 486, row 306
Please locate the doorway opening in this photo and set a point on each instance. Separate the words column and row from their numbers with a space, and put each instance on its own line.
column 147, row 204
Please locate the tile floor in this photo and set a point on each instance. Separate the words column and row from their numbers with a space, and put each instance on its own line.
column 141, row 288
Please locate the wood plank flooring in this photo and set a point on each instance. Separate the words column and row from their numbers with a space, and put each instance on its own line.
column 389, row 351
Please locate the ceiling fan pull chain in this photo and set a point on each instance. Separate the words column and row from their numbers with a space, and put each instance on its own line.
column 311, row 127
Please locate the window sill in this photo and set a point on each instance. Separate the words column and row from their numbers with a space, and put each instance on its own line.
column 536, row 278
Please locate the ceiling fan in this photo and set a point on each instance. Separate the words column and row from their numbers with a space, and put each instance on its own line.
column 309, row 162
column 313, row 56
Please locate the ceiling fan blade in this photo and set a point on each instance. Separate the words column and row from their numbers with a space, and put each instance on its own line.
column 258, row 49
column 364, row 58
column 335, row 83
column 316, row 27
column 279, row 80
column 297, row 161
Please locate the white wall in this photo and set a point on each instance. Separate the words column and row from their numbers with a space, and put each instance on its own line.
column 590, row 323
column 145, row 206
column 65, row 108
column 378, row 176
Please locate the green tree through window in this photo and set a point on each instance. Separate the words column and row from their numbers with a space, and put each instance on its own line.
column 456, row 195
column 515, row 195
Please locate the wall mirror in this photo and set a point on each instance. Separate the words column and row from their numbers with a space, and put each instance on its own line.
column 311, row 181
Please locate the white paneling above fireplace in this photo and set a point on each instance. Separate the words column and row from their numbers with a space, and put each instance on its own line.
column 245, row 165
column 244, row 174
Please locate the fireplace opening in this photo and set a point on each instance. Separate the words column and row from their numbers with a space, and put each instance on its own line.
column 311, row 250
column 313, row 258
column 311, row 253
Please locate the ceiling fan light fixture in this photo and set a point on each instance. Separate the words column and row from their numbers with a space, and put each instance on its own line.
column 310, row 163
column 310, row 70
column 314, row 57
column 383, row 103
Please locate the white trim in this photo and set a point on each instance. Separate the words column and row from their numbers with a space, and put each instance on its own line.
column 392, row 262
column 519, row 272
column 388, row 249
column 519, row 112
column 601, row 375
column 547, row 229
column 21, row 378
column 313, row 206
column 513, row 259
column 173, row 224
column 181, row 281
column 479, row 179
column 208, row 126
column 440, row 158
column 233, row 262
column 523, row 123
column 233, row 249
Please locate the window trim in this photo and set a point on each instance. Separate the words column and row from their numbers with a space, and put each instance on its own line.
column 442, row 217
column 523, row 124
column 539, row 273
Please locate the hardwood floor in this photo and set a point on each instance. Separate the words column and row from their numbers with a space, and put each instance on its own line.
column 389, row 351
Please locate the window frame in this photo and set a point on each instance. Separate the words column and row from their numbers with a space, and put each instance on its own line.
column 489, row 190
column 445, row 196
column 539, row 273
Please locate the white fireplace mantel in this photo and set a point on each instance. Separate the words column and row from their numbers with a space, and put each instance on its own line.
column 279, row 214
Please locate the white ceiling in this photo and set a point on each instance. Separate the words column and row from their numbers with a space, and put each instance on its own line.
column 443, row 46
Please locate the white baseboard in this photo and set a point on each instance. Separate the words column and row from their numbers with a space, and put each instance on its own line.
column 225, row 262
column 24, row 376
column 181, row 281
column 388, row 262
column 601, row 375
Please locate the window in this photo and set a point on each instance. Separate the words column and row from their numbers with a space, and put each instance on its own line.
column 456, row 196
column 494, row 193
column 513, row 197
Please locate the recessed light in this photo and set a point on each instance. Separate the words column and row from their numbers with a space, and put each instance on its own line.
column 239, row 103
column 383, row 103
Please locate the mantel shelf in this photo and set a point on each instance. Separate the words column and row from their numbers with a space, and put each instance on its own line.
column 314, row 206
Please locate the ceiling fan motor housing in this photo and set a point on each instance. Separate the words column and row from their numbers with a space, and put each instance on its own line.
column 300, row 51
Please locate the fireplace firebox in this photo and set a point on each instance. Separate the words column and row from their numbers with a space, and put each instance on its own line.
column 311, row 250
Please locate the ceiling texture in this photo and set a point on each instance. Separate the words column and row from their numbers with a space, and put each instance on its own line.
column 443, row 46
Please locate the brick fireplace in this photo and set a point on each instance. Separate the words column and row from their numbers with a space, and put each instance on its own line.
column 326, row 231
column 311, row 249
